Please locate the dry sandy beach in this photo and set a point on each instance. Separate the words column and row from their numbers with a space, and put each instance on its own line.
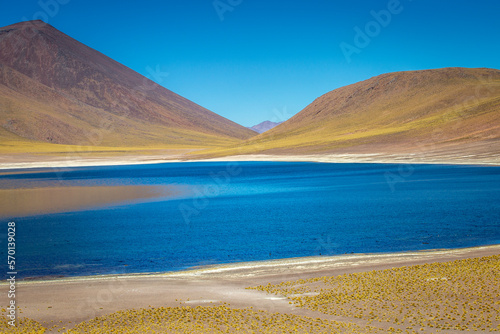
column 66, row 302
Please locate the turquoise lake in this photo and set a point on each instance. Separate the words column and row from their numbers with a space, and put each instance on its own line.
column 218, row 212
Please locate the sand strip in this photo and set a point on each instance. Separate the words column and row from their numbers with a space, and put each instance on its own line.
column 22, row 202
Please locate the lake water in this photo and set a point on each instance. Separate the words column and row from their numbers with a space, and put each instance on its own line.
column 163, row 217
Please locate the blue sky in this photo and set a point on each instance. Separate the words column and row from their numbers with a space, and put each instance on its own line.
column 256, row 60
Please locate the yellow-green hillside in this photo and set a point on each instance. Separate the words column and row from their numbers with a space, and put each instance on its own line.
column 395, row 112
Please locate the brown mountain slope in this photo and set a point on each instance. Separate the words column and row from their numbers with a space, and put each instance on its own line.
column 450, row 109
column 54, row 89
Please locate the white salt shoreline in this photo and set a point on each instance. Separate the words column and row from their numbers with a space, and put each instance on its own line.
column 322, row 158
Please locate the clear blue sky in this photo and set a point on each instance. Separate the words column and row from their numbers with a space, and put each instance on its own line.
column 256, row 60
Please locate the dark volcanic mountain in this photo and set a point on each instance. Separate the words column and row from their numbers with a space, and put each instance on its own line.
column 54, row 89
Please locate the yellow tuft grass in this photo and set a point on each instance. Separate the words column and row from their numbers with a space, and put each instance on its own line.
column 460, row 295
column 215, row 319
column 23, row 325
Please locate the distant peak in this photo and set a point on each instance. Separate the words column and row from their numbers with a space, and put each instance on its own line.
column 264, row 126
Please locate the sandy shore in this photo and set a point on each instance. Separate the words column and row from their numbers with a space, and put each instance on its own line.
column 66, row 302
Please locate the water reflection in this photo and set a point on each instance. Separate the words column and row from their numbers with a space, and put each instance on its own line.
column 32, row 201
